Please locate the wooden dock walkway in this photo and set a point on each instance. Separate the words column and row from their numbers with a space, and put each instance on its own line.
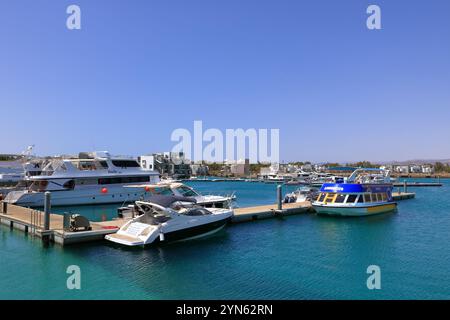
column 269, row 211
column 403, row 195
column 32, row 221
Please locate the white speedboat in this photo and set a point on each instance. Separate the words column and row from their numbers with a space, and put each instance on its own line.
column 168, row 218
column 301, row 195
column 92, row 178
column 366, row 192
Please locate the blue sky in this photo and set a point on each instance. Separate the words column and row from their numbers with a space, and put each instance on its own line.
column 137, row 70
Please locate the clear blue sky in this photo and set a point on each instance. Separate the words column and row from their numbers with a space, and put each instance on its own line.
column 139, row 69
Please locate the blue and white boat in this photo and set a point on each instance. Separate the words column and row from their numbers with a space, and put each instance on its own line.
column 366, row 192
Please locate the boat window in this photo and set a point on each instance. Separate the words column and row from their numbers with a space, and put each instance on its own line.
column 329, row 197
column 383, row 197
column 351, row 198
column 360, row 198
column 125, row 163
column 187, row 192
column 197, row 212
column 340, row 198
column 379, row 198
column 103, row 164
column 39, row 186
column 86, row 181
column 69, row 185
column 374, row 197
column 367, row 198
column 86, row 165
column 117, row 180
column 321, row 197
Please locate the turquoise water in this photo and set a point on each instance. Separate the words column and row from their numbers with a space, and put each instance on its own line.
column 297, row 257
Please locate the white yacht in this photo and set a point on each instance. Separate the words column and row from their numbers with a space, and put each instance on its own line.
column 168, row 218
column 92, row 178
column 301, row 195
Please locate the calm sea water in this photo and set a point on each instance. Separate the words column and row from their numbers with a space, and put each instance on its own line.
column 297, row 257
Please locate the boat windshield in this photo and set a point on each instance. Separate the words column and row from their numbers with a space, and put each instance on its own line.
column 88, row 164
column 369, row 175
column 197, row 212
column 39, row 186
column 187, row 192
column 152, row 215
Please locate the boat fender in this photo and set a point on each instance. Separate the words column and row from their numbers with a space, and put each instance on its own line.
column 161, row 236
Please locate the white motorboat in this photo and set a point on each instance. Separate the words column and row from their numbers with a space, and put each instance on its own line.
column 182, row 190
column 92, row 178
column 169, row 218
column 301, row 195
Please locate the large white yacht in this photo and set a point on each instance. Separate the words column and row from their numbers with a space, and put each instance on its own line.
column 92, row 178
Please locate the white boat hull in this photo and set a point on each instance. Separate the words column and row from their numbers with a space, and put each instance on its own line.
column 172, row 232
column 84, row 196
column 354, row 211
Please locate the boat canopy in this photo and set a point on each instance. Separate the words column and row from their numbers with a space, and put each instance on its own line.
column 367, row 174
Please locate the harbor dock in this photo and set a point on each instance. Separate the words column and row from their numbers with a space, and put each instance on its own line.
column 32, row 221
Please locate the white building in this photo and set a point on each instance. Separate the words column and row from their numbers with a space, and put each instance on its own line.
column 415, row 169
column 428, row 169
column 401, row 169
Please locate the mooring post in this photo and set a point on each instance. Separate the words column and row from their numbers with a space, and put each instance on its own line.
column 405, row 189
column 47, row 205
column 4, row 207
column 279, row 196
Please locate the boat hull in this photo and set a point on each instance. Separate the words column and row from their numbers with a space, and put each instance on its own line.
column 85, row 196
column 195, row 231
column 182, row 234
column 355, row 211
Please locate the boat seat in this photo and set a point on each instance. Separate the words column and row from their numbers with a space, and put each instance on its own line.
column 124, row 237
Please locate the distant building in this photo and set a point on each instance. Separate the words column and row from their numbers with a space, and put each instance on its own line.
column 415, row 169
column 199, row 170
column 427, row 169
column 404, row 169
column 171, row 164
column 241, row 168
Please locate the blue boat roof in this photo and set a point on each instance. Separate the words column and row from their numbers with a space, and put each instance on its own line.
column 341, row 187
column 354, row 187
